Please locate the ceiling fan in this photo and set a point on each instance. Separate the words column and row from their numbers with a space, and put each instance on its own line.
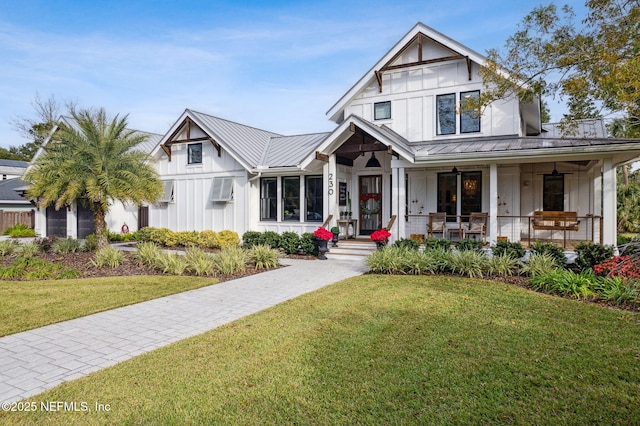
column 555, row 172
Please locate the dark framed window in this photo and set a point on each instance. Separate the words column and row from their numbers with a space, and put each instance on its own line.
column 313, row 198
column 291, row 199
column 471, row 193
column 382, row 110
column 469, row 117
column 448, row 195
column 446, row 114
column 269, row 198
column 194, row 153
column 553, row 193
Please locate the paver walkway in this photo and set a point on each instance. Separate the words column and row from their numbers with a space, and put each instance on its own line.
column 39, row 359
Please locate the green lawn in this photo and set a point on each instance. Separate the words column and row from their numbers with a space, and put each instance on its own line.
column 29, row 304
column 382, row 350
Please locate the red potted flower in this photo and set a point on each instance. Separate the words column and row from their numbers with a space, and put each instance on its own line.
column 380, row 237
column 322, row 236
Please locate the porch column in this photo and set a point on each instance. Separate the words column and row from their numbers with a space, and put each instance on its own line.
column 331, row 191
column 609, row 202
column 398, row 206
column 493, row 203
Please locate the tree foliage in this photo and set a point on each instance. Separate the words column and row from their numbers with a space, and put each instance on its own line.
column 594, row 65
column 93, row 161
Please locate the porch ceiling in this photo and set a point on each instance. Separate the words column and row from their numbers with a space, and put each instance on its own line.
column 359, row 143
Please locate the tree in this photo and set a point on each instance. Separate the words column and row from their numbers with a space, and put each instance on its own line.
column 95, row 162
column 594, row 65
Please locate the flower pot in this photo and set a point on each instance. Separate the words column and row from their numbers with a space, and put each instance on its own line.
column 322, row 248
column 380, row 244
column 334, row 240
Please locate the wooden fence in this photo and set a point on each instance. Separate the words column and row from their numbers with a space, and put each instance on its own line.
column 8, row 219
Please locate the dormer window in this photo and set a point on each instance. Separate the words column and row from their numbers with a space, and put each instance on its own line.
column 382, row 110
column 469, row 117
column 194, row 153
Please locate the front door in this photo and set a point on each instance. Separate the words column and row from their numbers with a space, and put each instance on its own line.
column 370, row 204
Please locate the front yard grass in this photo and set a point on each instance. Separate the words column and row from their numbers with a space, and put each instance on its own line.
column 381, row 350
column 29, row 304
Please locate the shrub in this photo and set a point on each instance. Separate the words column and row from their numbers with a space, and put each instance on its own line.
column 199, row 262
column 308, row 244
column 207, row 239
column 407, row 243
column 65, row 245
column 108, row 257
column 8, row 247
column 226, row 238
column 147, row 254
column 502, row 266
column 512, row 249
column 388, row 260
column 619, row 266
column 263, row 256
column 36, row 269
column 538, row 264
column 20, row 230
column 44, row 243
column 289, row 242
column 590, row 254
column 619, row 291
column 470, row 263
column 551, row 249
column 270, row 238
column 187, row 238
column 90, row 243
column 252, row 238
column 28, row 250
column 231, row 260
column 567, row 283
column 469, row 244
column 144, row 234
column 431, row 243
column 173, row 264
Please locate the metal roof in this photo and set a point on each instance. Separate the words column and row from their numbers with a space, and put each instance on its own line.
column 243, row 141
column 8, row 190
column 288, row 151
column 14, row 163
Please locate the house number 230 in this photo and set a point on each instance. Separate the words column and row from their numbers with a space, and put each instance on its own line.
column 330, row 183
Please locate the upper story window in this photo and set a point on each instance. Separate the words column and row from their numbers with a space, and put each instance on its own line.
column 382, row 110
column 446, row 114
column 194, row 153
column 469, row 117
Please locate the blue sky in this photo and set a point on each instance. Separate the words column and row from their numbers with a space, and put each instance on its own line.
column 276, row 65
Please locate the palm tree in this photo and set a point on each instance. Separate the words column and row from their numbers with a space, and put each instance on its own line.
column 93, row 161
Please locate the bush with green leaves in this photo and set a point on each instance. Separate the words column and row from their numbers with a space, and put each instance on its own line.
column 207, row 238
column 539, row 264
column 8, row 247
column 33, row 268
column 470, row 263
column 619, row 291
column 565, row 282
column 551, row 249
column 308, row 244
column 289, row 242
column 20, row 230
column 469, row 244
column 270, row 238
column 263, row 256
column 65, row 245
column 108, row 257
column 187, row 238
column 251, row 238
column 28, row 250
column 231, row 260
column 431, row 243
column 590, row 254
column 199, row 262
column 407, row 243
column 146, row 254
column 171, row 263
column 503, row 266
column 512, row 249
column 227, row 238
column 90, row 243
column 387, row 260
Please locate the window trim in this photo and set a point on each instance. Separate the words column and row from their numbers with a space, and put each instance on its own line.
column 263, row 198
column 464, row 113
column 189, row 153
column 454, row 121
column 387, row 110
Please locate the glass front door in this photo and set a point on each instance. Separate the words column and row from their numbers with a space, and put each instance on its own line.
column 370, row 204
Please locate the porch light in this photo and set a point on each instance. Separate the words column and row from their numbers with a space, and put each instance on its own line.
column 454, row 170
column 373, row 161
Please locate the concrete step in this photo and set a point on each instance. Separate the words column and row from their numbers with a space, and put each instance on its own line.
column 353, row 248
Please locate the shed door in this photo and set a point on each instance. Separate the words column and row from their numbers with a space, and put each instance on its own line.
column 56, row 222
column 86, row 222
